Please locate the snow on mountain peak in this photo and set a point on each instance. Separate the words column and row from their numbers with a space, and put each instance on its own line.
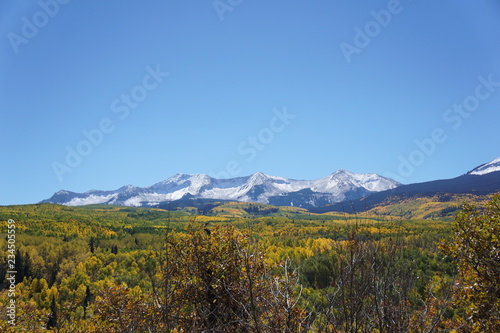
column 62, row 192
column 178, row 177
column 486, row 168
column 258, row 187
column 342, row 181
column 260, row 178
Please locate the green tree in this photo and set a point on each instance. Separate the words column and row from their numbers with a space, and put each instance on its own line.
column 52, row 320
column 475, row 249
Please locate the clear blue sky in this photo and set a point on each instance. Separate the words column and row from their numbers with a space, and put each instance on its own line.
column 291, row 88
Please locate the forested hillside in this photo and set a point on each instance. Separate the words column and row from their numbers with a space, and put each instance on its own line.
column 245, row 268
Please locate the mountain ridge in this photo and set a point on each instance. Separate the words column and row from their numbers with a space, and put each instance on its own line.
column 339, row 191
column 257, row 187
column 482, row 184
column 486, row 168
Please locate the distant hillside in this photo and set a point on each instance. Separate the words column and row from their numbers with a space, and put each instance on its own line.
column 231, row 209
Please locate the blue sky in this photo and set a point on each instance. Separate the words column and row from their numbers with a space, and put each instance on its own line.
column 99, row 94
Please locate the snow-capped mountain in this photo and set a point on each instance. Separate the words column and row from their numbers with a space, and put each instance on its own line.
column 482, row 180
column 258, row 187
column 486, row 168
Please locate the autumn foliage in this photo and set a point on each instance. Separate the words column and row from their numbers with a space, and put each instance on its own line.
column 115, row 269
column 475, row 249
column 216, row 280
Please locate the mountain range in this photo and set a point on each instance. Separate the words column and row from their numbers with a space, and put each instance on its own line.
column 480, row 181
column 258, row 187
column 330, row 193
